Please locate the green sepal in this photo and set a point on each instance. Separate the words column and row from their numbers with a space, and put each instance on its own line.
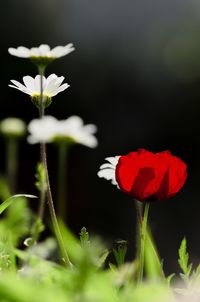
column 36, row 99
column 41, row 62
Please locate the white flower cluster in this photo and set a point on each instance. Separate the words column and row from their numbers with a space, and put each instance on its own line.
column 49, row 129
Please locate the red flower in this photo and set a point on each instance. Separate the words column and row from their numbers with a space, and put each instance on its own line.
column 149, row 176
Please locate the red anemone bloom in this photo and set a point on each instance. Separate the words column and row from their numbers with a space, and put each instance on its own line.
column 149, row 176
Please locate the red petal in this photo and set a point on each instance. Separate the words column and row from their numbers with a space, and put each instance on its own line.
column 177, row 172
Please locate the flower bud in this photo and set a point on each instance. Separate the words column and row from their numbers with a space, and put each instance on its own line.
column 12, row 127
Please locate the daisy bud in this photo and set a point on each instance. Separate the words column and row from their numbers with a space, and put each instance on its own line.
column 12, row 127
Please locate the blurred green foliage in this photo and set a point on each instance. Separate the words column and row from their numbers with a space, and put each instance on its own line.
column 30, row 269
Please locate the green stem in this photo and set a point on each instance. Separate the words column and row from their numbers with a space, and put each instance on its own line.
column 143, row 232
column 41, row 71
column 43, row 189
column 138, row 208
column 43, row 159
column 41, row 208
column 62, row 180
column 53, row 214
column 12, row 162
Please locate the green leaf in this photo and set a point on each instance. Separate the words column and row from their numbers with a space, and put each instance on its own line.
column 184, row 258
column 10, row 200
column 103, row 258
column 18, row 219
column 112, row 267
column 153, row 264
column 71, row 242
column 169, row 279
column 84, row 237
column 120, row 252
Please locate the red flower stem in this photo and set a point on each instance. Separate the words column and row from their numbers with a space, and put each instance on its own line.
column 138, row 208
column 143, row 231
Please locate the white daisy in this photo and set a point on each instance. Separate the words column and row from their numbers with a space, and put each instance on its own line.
column 49, row 129
column 107, row 170
column 43, row 51
column 51, row 85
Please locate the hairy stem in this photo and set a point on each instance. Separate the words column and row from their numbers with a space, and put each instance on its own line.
column 41, row 208
column 48, row 191
column 52, row 212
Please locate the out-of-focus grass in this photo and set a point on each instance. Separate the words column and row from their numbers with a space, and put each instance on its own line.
column 33, row 271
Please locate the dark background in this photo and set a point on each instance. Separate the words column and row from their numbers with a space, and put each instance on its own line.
column 135, row 74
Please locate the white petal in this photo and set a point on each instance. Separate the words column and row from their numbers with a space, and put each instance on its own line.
column 60, row 89
column 73, row 128
column 21, row 89
column 14, row 52
column 44, row 50
column 107, row 165
column 113, row 160
column 29, row 83
column 108, row 174
column 51, row 88
column 87, row 140
column 59, row 80
column 32, row 140
column 51, row 77
column 73, row 121
column 34, row 52
column 107, row 170
column 90, row 128
column 21, row 52
column 18, row 84
column 52, row 83
column 60, row 51
column 37, row 83
column 42, row 130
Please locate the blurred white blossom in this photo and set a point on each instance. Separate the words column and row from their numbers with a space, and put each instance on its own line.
column 12, row 126
column 189, row 292
column 43, row 51
column 49, row 129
